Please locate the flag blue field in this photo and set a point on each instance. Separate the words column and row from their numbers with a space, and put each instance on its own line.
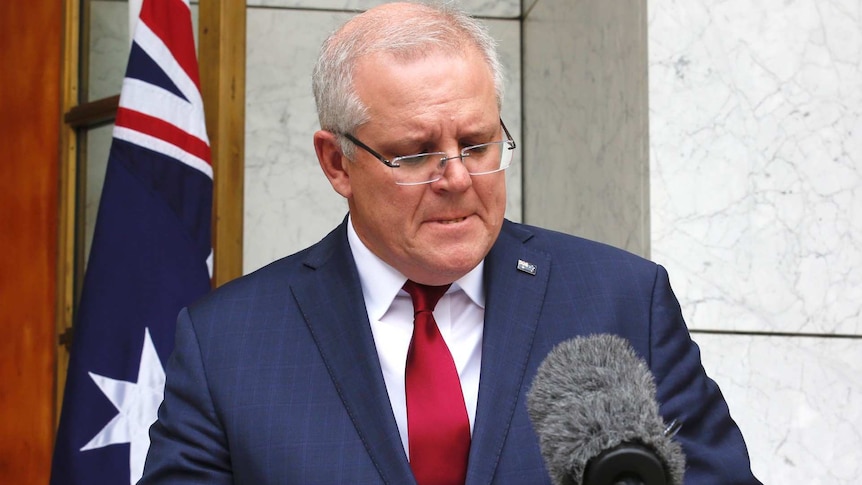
column 151, row 255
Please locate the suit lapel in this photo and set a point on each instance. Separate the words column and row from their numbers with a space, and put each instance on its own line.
column 516, row 279
column 330, row 298
column 340, row 327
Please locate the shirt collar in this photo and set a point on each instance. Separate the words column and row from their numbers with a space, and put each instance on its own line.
column 381, row 282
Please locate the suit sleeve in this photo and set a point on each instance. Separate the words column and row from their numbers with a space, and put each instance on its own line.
column 187, row 442
column 714, row 448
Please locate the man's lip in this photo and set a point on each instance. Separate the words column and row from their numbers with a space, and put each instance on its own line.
column 450, row 220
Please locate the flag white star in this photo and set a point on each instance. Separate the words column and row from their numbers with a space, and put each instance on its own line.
column 138, row 406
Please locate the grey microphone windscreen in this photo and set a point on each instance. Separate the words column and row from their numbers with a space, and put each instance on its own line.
column 591, row 394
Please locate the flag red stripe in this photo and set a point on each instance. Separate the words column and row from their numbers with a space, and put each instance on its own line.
column 163, row 130
column 171, row 24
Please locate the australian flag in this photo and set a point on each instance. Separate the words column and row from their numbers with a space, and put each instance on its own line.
column 151, row 255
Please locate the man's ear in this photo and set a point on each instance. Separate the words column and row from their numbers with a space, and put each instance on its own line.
column 333, row 162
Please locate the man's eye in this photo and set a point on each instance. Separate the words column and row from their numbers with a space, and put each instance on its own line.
column 413, row 160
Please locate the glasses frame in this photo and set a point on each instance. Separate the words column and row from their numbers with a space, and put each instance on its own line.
column 393, row 162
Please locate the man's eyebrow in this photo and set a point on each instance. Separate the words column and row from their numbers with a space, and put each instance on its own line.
column 490, row 131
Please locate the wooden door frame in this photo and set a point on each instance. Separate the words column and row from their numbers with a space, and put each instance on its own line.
column 31, row 56
column 221, row 53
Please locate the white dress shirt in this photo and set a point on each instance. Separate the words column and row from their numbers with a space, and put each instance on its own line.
column 460, row 315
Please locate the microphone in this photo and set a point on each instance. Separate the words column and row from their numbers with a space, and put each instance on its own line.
column 593, row 406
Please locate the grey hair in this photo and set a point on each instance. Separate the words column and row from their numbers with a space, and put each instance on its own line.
column 427, row 27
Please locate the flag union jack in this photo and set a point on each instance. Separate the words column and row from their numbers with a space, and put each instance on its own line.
column 160, row 106
column 151, row 255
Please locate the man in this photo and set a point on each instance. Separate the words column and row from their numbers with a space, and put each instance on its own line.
column 305, row 371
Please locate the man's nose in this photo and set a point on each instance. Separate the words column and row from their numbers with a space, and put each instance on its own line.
column 455, row 173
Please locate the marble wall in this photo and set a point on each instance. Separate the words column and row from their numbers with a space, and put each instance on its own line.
column 289, row 204
column 585, row 111
column 756, row 208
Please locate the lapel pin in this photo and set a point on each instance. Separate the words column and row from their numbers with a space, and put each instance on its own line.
column 526, row 267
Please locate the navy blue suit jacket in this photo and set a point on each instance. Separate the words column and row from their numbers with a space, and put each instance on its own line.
column 275, row 377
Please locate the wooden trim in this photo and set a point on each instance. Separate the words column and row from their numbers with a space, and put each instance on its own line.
column 221, row 53
column 94, row 113
column 31, row 36
column 66, row 254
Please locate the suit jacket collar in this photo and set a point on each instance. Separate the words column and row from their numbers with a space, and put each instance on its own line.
column 339, row 325
column 516, row 279
column 330, row 298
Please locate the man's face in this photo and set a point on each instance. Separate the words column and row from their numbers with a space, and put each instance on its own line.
column 433, row 233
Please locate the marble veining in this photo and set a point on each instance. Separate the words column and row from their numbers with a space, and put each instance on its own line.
column 756, row 184
column 108, row 49
column 798, row 402
column 756, row 161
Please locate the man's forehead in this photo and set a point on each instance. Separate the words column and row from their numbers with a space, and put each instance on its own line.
column 409, row 56
column 385, row 82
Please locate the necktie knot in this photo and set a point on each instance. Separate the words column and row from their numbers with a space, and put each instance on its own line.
column 425, row 297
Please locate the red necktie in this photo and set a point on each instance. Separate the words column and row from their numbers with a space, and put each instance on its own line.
column 438, row 430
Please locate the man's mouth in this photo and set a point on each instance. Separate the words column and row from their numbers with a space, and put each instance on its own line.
column 452, row 221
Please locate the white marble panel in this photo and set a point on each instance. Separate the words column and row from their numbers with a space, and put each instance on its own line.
column 483, row 8
column 756, row 161
column 289, row 204
column 109, row 48
column 798, row 402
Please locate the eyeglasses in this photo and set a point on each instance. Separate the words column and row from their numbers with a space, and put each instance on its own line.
column 424, row 168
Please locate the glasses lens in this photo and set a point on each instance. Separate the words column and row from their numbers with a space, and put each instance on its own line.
column 428, row 167
column 488, row 157
column 418, row 169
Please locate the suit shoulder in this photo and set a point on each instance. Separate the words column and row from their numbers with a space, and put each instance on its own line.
column 274, row 279
column 575, row 249
column 277, row 271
